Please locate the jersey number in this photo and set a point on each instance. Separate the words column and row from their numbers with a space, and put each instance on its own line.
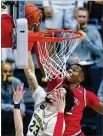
column 35, row 132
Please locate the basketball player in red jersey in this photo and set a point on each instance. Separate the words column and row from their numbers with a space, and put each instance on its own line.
column 83, row 98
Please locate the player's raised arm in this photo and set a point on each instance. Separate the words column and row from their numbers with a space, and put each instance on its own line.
column 30, row 74
column 17, row 96
column 30, row 62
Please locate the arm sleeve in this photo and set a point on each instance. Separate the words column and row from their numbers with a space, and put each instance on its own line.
column 91, row 99
column 53, row 124
column 59, row 124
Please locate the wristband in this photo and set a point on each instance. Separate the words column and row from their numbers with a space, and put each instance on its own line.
column 17, row 106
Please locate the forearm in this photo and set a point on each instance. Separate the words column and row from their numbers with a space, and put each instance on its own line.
column 30, row 74
column 32, row 80
column 18, row 122
column 30, row 67
column 99, row 108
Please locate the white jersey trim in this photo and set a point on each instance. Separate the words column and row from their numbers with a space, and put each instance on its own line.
column 84, row 97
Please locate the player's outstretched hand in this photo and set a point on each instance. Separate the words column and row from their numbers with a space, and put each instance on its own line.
column 59, row 99
column 18, row 93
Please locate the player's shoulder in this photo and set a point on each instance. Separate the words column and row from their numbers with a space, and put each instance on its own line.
column 39, row 93
column 85, row 90
column 90, row 94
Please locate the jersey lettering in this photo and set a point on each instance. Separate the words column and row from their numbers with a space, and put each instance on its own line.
column 36, row 125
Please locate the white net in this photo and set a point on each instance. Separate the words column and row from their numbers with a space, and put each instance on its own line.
column 54, row 50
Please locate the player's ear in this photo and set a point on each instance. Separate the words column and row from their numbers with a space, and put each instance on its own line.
column 81, row 78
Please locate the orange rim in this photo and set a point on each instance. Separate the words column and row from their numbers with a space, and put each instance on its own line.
column 40, row 36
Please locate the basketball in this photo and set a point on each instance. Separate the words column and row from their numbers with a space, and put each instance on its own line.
column 33, row 14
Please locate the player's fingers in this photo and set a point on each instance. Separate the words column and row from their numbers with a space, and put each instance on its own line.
column 53, row 102
column 17, row 88
column 21, row 87
column 64, row 99
column 59, row 95
column 13, row 90
column 55, row 94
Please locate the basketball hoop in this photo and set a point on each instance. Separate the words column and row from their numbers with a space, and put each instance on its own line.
column 54, row 48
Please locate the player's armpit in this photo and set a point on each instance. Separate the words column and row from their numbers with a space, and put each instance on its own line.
column 99, row 108
column 32, row 80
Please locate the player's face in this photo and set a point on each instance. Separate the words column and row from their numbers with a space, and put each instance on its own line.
column 82, row 17
column 75, row 74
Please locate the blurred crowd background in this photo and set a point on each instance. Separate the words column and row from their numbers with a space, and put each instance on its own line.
column 11, row 76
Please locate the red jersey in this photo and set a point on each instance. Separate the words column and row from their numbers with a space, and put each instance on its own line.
column 82, row 98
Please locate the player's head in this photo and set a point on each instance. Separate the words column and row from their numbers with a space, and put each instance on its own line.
column 34, row 16
column 54, row 94
column 64, row 92
column 77, row 74
column 82, row 15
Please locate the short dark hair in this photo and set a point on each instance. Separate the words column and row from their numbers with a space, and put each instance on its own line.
column 69, row 99
column 83, row 9
column 81, row 67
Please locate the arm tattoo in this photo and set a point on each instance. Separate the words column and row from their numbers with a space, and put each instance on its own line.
column 31, row 84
